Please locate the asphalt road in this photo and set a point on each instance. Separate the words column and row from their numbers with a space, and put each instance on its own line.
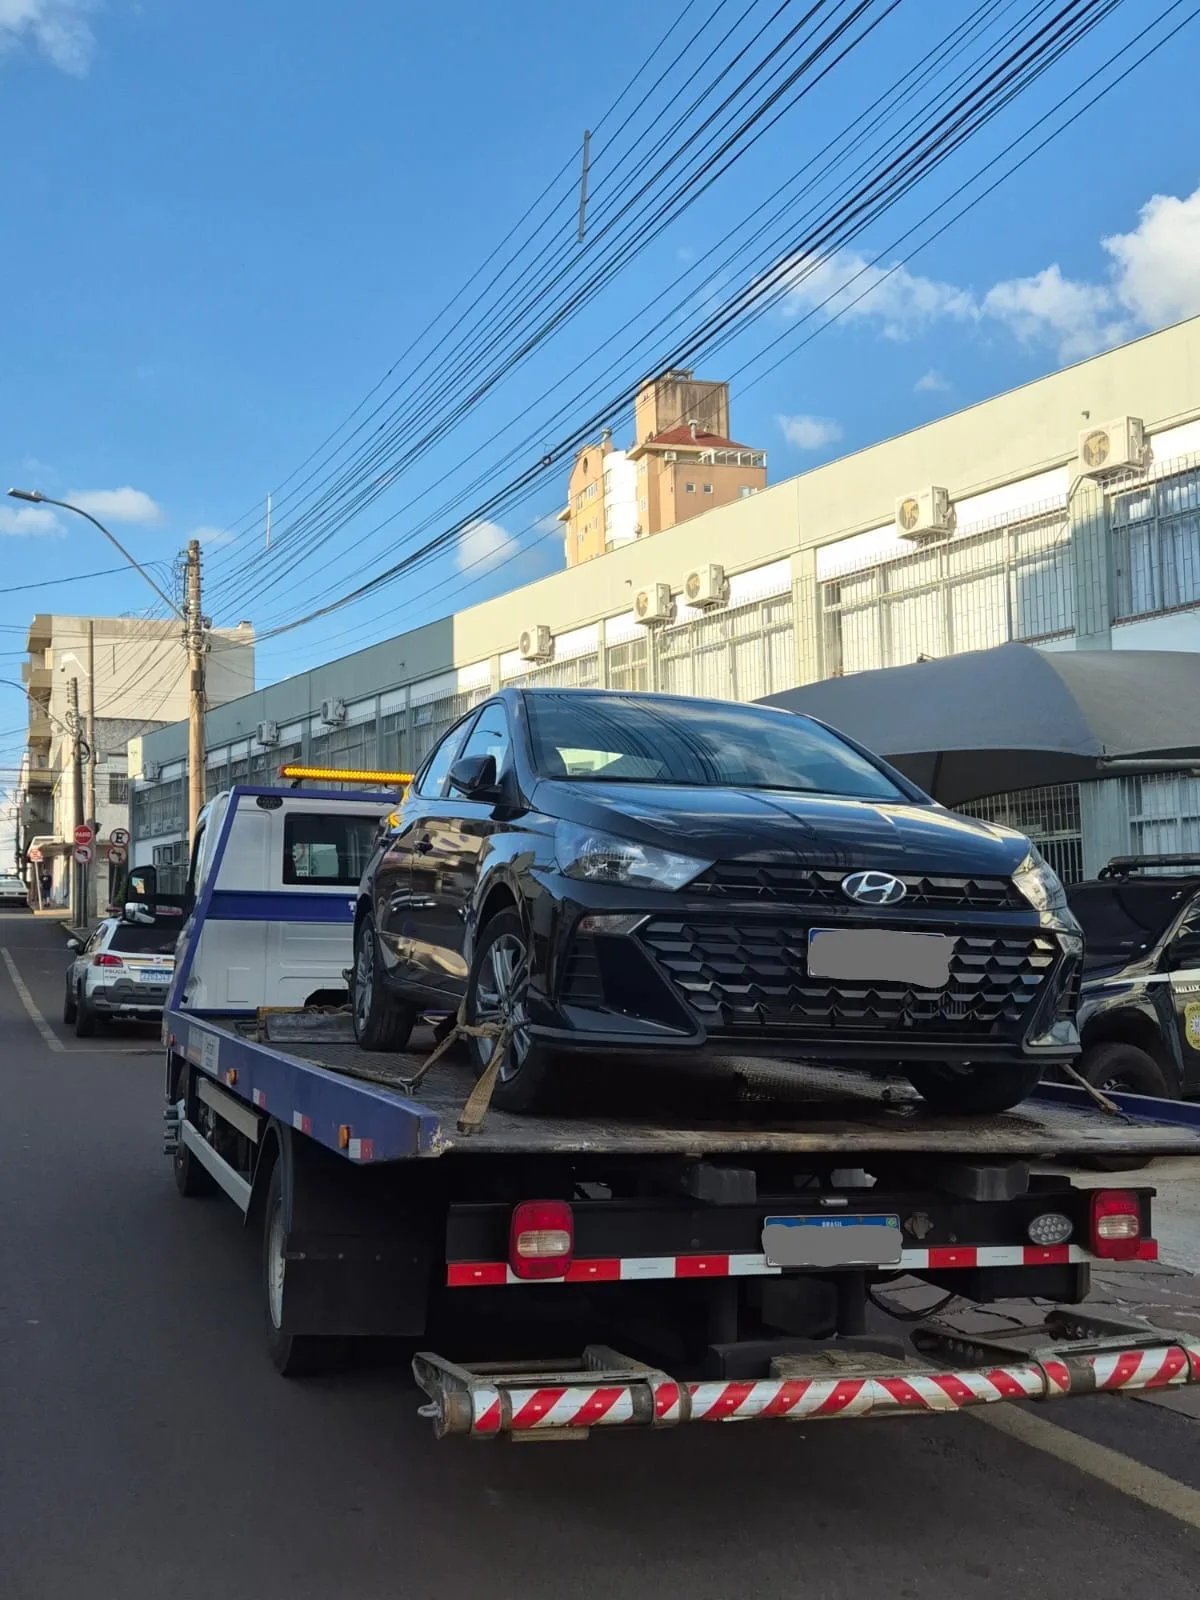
column 147, row 1448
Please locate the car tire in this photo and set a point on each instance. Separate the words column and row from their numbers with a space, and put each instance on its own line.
column 496, row 987
column 70, row 1004
column 294, row 1355
column 974, row 1091
column 1118, row 1068
column 85, row 1018
column 380, row 1023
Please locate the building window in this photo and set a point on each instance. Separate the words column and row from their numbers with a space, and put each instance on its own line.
column 118, row 789
column 591, row 491
column 1156, row 541
column 745, row 490
column 579, row 501
column 708, row 488
column 689, row 488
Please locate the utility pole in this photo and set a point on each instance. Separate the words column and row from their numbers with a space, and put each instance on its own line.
column 90, row 814
column 194, row 638
column 76, row 896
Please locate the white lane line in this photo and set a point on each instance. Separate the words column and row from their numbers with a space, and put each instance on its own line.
column 1119, row 1471
column 53, row 1042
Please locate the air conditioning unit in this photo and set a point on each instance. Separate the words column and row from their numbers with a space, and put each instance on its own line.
column 151, row 771
column 267, row 733
column 928, row 513
column 536, row 643
column 333, row 713
column 1113, row 447
column 653, row 604
column 706, row 587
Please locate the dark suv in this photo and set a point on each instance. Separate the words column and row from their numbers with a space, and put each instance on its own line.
column 633, row 872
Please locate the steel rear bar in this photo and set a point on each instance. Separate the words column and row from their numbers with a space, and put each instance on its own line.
column 605, row 1389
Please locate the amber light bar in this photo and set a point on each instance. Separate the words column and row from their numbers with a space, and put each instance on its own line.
column 295, row 774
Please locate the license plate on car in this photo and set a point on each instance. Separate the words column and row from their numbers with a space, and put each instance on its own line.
column 151, row 975
column 865, row 955
column 867, row 1241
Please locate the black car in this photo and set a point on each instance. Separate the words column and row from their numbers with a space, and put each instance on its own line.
column 633, row 872
column 1139, row 1010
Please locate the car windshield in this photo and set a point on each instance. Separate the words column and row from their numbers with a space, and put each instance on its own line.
column 135, row 939
column 611, row 738
column 1125, row 918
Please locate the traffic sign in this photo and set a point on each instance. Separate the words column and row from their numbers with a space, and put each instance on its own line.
column 83, row 854
column 119, row 836
column 84, row 834
column 35, row 853
column 118, row 855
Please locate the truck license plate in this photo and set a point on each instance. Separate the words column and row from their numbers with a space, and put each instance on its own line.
column 921, row 960
column 869, row 1241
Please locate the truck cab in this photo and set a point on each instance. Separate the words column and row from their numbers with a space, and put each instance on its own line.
column 274, row 893
column 1139, row 1012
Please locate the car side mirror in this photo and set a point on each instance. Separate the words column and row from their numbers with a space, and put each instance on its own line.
column 74, row 945
column 475, row 777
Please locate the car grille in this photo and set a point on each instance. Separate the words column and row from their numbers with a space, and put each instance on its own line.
column 816, row 886
column 757, row 977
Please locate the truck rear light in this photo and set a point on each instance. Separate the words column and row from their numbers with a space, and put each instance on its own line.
column 1116, row 1224
column 106, row 960
column 541, row 1240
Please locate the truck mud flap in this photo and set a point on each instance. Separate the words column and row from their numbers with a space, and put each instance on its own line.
column 1069, row 1354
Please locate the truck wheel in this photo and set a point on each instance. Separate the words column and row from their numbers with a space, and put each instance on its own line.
column 85, row 1018
column 974, row 1091
column 1124, row 1069
column 380, row 1023
column 496, row 990
column 70, row 1007
column 294, row 1355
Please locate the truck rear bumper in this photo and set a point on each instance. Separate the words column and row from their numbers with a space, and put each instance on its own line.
column 1070, row 1354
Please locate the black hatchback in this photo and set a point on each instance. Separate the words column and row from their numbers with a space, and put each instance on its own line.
column 627, row 873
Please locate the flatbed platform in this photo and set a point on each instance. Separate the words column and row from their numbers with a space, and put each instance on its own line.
column 308, row 1073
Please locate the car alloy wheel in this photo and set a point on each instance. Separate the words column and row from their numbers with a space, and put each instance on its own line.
column 500, row 999
column 364, row 977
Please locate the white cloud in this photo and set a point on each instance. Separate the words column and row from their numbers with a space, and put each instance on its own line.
column 117, row 505
column 931, row 382
column 480, row 543
column 36, row 520
column 57, row 28
column 1152, row 279
column 810, row 433
column 846, row 284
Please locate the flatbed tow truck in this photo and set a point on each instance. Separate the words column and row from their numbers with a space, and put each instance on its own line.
column 716, row 1241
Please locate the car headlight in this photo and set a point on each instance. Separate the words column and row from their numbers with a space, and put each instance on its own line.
column 1037, row 880
column 602, row 858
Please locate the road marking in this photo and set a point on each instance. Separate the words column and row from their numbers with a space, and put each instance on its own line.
column 1119, row 1471
column 53, row 1042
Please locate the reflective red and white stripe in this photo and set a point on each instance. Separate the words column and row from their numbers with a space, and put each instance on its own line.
column 632, row 1269
column 661, row 1402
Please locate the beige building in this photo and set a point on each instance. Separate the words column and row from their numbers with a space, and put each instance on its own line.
column 1008, row 520
column 130, row 676
column 682, row 463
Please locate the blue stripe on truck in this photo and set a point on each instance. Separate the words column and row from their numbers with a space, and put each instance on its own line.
column 273, row 905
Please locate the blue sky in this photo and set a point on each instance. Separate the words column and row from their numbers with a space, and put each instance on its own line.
column 225, row 222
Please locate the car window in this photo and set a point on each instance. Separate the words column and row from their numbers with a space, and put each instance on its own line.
column 661, row 739
column 432, row 782
column 1124, row 917
column 326, row 850
column 135, row 939
column 490, row 736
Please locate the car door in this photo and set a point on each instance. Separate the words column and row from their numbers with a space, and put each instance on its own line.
column 1183, row 964
column 456, row 828
column 405, row 877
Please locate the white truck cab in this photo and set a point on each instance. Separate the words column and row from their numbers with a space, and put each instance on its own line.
column 273, row 880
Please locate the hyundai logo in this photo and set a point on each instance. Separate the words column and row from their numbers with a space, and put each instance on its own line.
column 874, row 888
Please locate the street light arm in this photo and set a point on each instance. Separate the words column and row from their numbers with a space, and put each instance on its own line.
column 35, row 497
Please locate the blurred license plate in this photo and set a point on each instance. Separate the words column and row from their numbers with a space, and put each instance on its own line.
column 875, row 954
column 874, row 1241
column 149, row 975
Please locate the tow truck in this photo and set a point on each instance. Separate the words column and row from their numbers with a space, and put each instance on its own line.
column 712, row 1243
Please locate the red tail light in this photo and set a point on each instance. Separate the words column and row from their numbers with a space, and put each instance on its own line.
column 1116, row 1224
column 541, row 1240
column 105, row 960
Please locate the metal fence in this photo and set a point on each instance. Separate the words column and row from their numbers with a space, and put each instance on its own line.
column 1155, row 522
column 739, row 654
column 1049, row 816
column 1162, row 814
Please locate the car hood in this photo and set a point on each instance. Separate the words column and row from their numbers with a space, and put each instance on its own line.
column 758, row 824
